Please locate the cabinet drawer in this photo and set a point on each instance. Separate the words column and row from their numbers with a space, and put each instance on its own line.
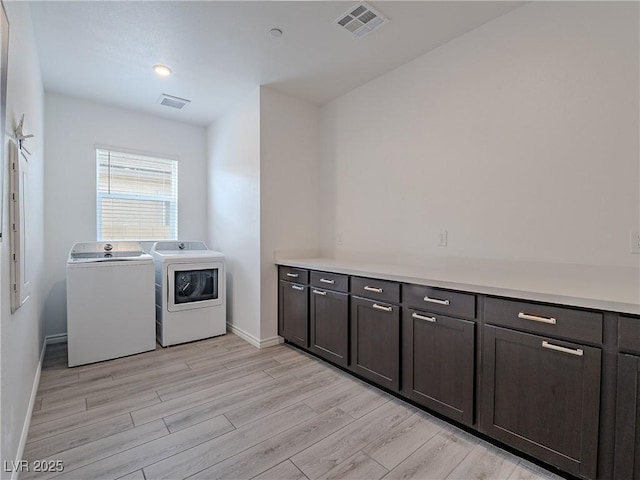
column 549, row 320
column 375, row 289
column 629, row 334
column 296, row 275
column 330, row 281
column 440, row 301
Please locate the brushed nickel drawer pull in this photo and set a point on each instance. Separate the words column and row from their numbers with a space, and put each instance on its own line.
column 326, row 280
column 293, row 275
column 436, row 300
column 422, row 317
column 536, row 318
column 319, row 292
column 382, row 307
column 551, row 346
column 373, row 289
column 297, row 287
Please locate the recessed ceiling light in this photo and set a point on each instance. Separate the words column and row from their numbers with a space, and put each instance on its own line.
column 275, row 32
column 162, row 70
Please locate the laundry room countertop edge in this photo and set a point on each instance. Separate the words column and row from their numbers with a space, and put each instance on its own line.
column 608, row 288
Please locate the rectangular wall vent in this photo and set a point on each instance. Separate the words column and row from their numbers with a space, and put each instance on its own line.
column 361, row 19
column 173, row 102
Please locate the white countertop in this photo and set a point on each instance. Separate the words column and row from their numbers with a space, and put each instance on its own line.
column 599, row 287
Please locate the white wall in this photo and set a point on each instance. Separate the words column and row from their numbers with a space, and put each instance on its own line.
column 519, row 138
column 289, row 189
column 233, row 149
column 21, row 334
column 73, row 128
column 263, row 200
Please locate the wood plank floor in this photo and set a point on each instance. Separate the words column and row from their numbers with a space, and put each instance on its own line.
column 220, row 408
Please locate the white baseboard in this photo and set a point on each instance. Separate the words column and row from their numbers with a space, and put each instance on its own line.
column 27, row 419
column 58, row 338
column 270, row 342
column 256, row 342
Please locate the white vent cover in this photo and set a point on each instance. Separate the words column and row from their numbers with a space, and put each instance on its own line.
column 361, row 19
column 173, row 102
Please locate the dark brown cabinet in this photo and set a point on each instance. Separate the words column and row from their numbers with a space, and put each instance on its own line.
column 438, row 300
column 548, row 320
column 536, row 376
column 627, row 450
column 629, row 334
column 295, row 275
column 330, row 325
column 375, row 341
column 438, row 363
column 293, row 313
column 542, row 396
column 375, row 289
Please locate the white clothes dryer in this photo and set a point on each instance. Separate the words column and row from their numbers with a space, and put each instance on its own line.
column 190, row 292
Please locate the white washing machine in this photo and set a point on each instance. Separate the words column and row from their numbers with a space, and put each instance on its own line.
column 190, row 292
column 110, row 294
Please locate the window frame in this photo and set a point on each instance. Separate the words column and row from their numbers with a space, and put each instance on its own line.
column 174, row 203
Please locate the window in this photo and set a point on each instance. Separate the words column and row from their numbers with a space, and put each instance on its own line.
column 137, row 196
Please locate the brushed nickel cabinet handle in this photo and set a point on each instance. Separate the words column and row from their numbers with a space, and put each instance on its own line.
column 422, row 317
column 436, row 300
column 373, row 289
column 326, row 280
column 297, row 287
column 293, row 275
column 382, row 307
column 536, row 318
column 319, row 292
column 578, row 351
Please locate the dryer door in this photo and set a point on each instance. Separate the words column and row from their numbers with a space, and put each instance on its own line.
column 195, row 285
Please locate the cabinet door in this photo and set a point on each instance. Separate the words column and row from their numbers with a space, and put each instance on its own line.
column 542, row 396
column 293, row 314
column 329, row 325
column 438, row 363
column 375, row 341
column 627, row 464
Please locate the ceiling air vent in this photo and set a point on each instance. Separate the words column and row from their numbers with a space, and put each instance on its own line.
column 361, row 19
column 173, row 102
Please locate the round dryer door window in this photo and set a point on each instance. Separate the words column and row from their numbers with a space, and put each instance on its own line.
column 196, row 285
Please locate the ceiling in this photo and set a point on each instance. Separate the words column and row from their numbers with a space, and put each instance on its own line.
column 222, row 50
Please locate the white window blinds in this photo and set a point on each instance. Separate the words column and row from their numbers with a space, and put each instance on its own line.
column 137, row 197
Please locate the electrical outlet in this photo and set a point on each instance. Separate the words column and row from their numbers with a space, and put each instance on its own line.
column 634, row 242
column 442, row 238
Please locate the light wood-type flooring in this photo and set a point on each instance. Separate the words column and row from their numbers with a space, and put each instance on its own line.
column 220, row 408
